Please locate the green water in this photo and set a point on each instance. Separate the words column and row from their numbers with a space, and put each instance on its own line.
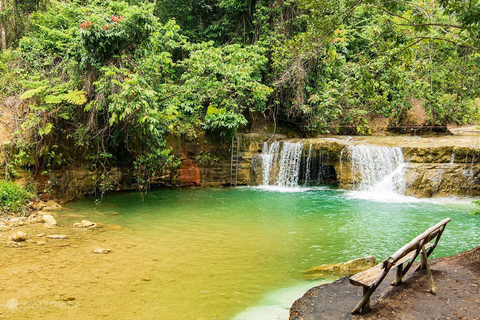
column 226, row 253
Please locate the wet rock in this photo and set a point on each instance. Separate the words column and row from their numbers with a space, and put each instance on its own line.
column 43, row 234
column 16, row 222
column 35, row 218
column 57, row 236
column 12, row 244
column 85, row 224
column 49, row 220
column 18, row 236
column 101, row 251
column 346, row 268
column 52, row 206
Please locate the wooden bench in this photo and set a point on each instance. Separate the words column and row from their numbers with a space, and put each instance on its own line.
column 370, row 279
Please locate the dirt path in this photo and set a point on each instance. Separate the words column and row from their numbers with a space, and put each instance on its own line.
column 457, row 282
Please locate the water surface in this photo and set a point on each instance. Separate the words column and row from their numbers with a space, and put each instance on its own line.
column 239, row 253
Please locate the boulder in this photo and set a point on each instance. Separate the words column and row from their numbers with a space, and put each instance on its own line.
column 49, row 220
column 18, row 236
column 342, row 269
column 52, row 206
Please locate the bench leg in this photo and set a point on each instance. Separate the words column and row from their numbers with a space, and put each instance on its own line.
column 429, row 271
column 399, row 274
column 366, row 307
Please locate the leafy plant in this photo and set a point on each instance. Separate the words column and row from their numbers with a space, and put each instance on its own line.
column 12, row 197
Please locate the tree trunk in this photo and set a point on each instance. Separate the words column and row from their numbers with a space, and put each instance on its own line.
column 3, row 35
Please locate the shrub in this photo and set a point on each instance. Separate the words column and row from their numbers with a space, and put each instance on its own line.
column 12, row 197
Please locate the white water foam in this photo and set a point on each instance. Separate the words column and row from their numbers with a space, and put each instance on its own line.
column 379, row 174
column 274, row 188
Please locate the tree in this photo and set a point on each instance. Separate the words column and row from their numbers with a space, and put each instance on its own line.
column 3, row 34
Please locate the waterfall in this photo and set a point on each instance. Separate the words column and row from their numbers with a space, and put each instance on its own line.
column 379, row 169
column 289, row 165
column 308, row 165
column 282, row 168
column 268, row 156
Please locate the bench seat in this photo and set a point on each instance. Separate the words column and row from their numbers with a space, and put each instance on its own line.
column 368, row 277
column 420, row 246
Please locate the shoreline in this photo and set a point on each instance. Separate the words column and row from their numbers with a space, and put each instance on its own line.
column 457, row 282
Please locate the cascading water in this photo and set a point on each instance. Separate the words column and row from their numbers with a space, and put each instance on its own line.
column 289, row 165
column 281, row 169
column 268, row 156
column 379, row 169
column 308, row 165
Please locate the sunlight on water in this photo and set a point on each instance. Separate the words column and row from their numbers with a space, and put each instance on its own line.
column 239, row 253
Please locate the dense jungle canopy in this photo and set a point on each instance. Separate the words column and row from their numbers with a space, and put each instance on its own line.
column 108, row 82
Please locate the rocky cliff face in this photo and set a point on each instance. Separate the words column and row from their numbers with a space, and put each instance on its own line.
column 437, row 167
column 434, row 168
column 442, row 171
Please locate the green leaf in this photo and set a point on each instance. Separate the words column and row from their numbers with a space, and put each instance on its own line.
column 30, row 93
column 46, row 130
column 53, row 99
column 77, row 97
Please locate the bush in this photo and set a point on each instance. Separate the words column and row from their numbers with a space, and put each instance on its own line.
column 12, row 197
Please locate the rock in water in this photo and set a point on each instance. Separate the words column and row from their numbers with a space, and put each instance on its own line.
column 101, row 251
column 12, row 244
column 49, row 220
column 346, row 268
column 57, row 236
column 51, row 206
column 19, row 236
column 85, row 224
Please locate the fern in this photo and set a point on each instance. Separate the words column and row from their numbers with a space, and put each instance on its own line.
column 77, row 97
column 32, row 92
column 53, row 99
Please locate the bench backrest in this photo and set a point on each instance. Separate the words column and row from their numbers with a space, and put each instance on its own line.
column 418, row 242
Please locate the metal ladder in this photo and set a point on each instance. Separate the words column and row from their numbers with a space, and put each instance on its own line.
column 235, row 161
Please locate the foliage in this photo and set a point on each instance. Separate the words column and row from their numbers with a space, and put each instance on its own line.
column 110, row 81
column 12, row 197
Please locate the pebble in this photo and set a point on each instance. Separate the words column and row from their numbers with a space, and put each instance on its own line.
column 101, row 251
column 57, row 236
column 43, row 234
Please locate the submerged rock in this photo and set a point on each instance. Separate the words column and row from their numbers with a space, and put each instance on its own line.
column 85, row 224
column 18, row 236
column 345, row 268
